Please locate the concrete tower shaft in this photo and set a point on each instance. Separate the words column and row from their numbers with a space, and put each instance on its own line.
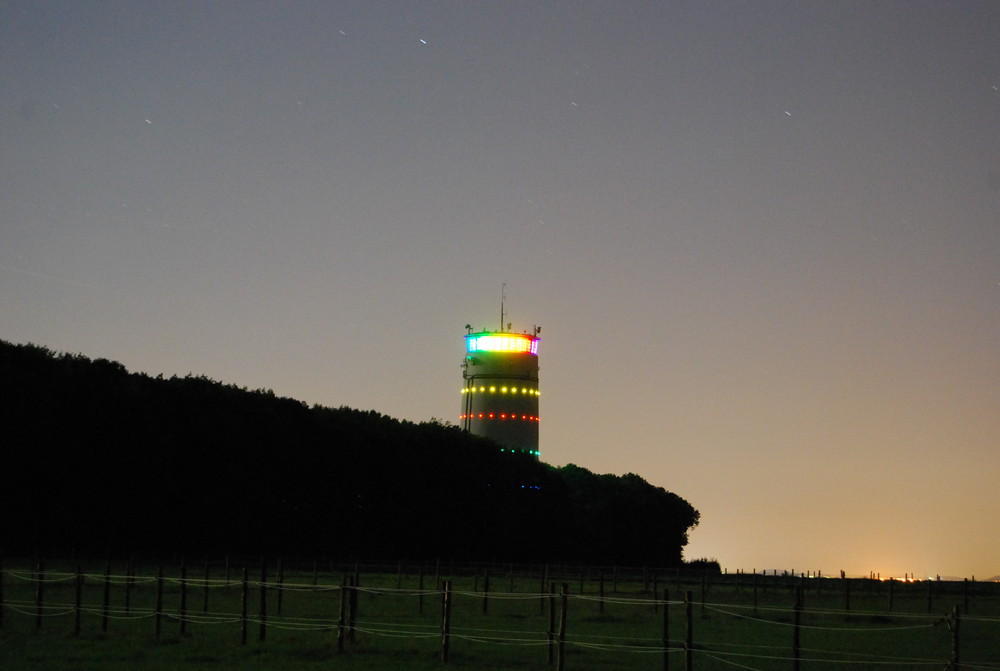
column 500, row 394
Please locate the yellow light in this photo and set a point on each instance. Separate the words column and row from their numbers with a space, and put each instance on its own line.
column 503, row 390
column 493, row 389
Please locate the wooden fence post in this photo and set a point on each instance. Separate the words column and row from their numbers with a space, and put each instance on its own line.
column 245, row 603
column 262, row 631
column 204, row 605
column 552, row 624
column 158, row 618
column 3, row 577
column 688, row 633
column 600, row 591
column 129, row 583
column 564, row 607
column 796, row 647
column 486, row 592
column 541, row 588
column 704, row 590
column 446, row 621
column 39, row 592
column 352, row 610
column 281, row 582
column 107, row 597
column 183, row 608
column 956, row 657
column 420, row 597
column 342, row 621
column 656, row 591
column 79, row 600
column 666, row 633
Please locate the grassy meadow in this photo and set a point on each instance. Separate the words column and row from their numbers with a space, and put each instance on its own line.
column 737, row 622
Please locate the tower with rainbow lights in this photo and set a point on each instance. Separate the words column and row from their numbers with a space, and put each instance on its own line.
column 500, row 394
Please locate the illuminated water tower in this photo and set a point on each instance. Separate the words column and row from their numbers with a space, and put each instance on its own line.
column 500, row 395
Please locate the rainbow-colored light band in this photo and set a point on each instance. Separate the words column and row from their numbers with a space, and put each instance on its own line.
column 506, row 342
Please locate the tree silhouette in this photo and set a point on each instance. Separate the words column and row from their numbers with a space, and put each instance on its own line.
column 100, row 460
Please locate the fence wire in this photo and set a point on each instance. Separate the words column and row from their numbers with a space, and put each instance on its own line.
column 735, row 655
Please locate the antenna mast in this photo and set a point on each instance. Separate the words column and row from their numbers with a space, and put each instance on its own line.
column 503, row 295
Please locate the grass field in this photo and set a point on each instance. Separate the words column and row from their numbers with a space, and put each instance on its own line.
column 736, row 622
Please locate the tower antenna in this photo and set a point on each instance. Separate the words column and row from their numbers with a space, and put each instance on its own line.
column 503, row 295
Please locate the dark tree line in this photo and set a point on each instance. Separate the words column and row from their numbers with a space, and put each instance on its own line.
column 99, row 460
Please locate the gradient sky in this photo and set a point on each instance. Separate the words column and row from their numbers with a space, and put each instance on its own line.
column 762, row 239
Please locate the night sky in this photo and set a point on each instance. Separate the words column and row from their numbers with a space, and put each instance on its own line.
column 762, row 239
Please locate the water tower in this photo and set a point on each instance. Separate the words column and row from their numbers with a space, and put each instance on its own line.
column 500, row 394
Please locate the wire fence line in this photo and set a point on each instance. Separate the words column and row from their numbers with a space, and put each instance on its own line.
column 52, row 589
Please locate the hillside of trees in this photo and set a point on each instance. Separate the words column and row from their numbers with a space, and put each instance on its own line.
column 97, row 460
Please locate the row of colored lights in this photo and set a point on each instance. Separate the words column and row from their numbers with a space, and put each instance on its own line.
column 502, row 343
column 535, row 453
column 500, row 415
column 503, row 390
column 514, row 450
